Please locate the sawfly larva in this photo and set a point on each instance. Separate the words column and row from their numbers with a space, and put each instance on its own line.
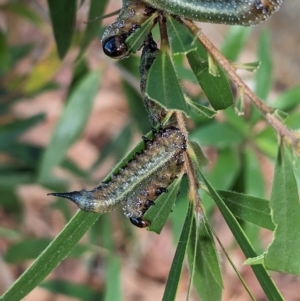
column 232, row 12
column 140, row 182
column 133, row 13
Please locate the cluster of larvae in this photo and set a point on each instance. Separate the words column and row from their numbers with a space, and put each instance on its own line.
column 137, row 185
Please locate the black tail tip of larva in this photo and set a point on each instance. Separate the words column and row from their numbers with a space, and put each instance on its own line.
column 73, row 196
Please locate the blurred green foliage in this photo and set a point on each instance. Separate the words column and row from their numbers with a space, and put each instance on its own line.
column 238, row 142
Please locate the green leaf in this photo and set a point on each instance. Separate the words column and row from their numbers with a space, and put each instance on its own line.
column 10, row 132
column 116, row 147
column 4, row 54
column 200, row 109
column 9, row 201
column 113, row 284
column 137, row 108
column 263, row 78
column 288, row 100
column 9, row 234
column 96, row 9
column 206, row 246
column 216, row 88
column 57, row 250
column 253, row 177
column 260, row 272
column 220, row 135
column 31, row 248
column 25, row 153
column 163, row 86
column 14, row 178
column 283, row 253
column 135, row 41
column 234, row 41
column 70, row 289
column 26, row 249
column 70, row 125
column 159, row 213
column 200, row 156
column 204, row 262
column 178, row 215
column 237, row 123
column 180, row 38
column 257, row 260
column 266, row 141
column 248, row 208
column 251, row 66
column 23, row 10
column 178, row 260
column 62, row 15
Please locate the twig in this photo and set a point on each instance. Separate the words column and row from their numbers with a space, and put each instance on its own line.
column 267, row 111
column 189, row 167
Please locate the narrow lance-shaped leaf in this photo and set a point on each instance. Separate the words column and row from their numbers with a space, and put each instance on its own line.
column 113, row 287
column 96, row 9
column 10, row 132
column 70, row 125
column 235, row 41
column 72, row 289
column 283, row 253
column 203, row 262
column 216, row 88
column 248, row 208
column 62, row 15
column 178, row 260
column 264, row 73
column 159, row 213
column 51, row 256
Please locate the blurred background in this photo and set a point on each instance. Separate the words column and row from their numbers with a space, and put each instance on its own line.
column 34, row 88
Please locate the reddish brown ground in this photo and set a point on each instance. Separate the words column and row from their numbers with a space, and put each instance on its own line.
column 143, row 276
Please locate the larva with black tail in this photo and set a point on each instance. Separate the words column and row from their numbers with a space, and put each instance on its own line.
column 138, row 184
column 231, row 12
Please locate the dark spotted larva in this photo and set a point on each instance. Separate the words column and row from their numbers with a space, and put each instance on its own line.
column 133, row 13
column 139, row 183
column 233, row 12
column 135, row 207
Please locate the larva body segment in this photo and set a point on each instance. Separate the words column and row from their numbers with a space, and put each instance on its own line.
column 232, row 12
column 133, row 13
column 136, row 207
column 140, row 177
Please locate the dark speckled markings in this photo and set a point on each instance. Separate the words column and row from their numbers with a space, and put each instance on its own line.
column 232, row 12
column 140, row 182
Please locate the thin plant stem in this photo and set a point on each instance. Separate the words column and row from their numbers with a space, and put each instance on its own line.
column 267, row 111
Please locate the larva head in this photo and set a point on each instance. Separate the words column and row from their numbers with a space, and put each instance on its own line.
column 115, row 46
column 132, row 15
column 139, row 222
